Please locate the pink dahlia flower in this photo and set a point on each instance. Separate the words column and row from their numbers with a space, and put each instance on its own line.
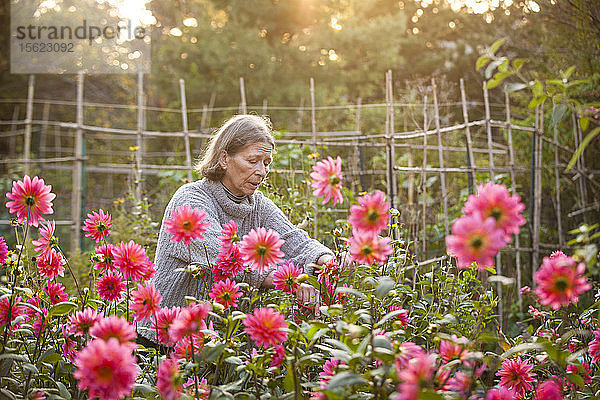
column 229, row 236
column 97, row 225
column 131, row 259
column 106, row 369
column 51, row 264
column 16, row 309
column 371, row 214
column 454, row 349
column 81, row 322
column 183, row 348
column 228, row 264
column 501, row 393
column 187, row 224
column 406, row 352
column 162, row 322
column 3, row 251
column 582, row 369
column 226, row 293
column 145, row 301
column 189, row 321
column 330, row 368
column 402, row 315
column 203, row 392
column 30, row 199
column 278, row 356
column 418, row 371
column 260, row 249
column 548, row 390
column 516, row 374
column 557, row 253
column 114, row 327
column 44, row 244
column 39, row 325
column 594, row 346
column 493, row 200
column 327, row 180
column 103, row 257
column 168, row 379
column 110, row 286
column 560, row 281
column 56, row 292
column 266, row 326
column 475, row 239
column 368, row 248
column 284, row 277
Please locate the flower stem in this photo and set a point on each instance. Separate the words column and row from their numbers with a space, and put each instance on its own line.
column 74, row 277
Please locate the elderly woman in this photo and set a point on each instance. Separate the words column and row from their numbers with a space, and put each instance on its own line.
column 235, row 164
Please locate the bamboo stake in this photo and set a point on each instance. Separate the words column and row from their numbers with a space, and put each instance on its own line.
column 300, row 113
column 441, row 156
column 393, row 199
column 211, row 106
column 243, row 108
column 583, row 171
column 77, row 170
column 28, row 118
column 313, row 124
column 12, row 144
column 139, row 138
column 536, row 195
column 578, row 162
column 44, row 130
column 468, row 131
column 488, row 128
column 356, row 152
column 203, row 119
column 186, row 133
column 561, row 239
column 264, row 107
column 424, row 179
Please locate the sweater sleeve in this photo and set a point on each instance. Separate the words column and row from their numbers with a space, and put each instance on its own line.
column 298, row 246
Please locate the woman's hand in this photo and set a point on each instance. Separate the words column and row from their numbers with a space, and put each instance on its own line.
column 346, row 261
column 307, row 294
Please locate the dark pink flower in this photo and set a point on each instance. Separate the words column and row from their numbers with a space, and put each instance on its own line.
column 183, row 348
column 582, row 369
column 557, row 253
column 110, row 286
column 501, row 393
column 189, row 321
column 371, row 214
column 548, row 390
column 475, row 239
column 44, row 244
column 368, row 248
column 278, row 356
column 516, row 374
column 406, row 352
column 284, row 277
column 560, row 281
column 418, row 371
column 114, row 327
column 168, row 379
column 402, row 315
column 16, row 309
column 454, row 349
column 260, row 249
column 226, row 293
column 145, row 301
column 30, row 199
column 97, row 225
column 187, row 224
column 266, row 326
column 327, row 180
column 162, row 322
column 39, row 325
column 56, row 292
column 103, row 258
column 51, row 264
column 131, row 259
column 594, row 346
column 228, row 264
column 330, row 368
column 3, row 251
column 107, row 369
column 81, row 322
column 203, row 392
column 229, row 236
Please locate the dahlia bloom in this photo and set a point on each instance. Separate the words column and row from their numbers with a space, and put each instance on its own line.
column 34, row 301
column 266, row 327
column 406, row 352
column 16, row 309
column 114, row 327
column 419, row 370
column 583, row 369
column 40, row 323
column 330, row 368
column 516, row 374
column 493, row 200
column 168, row 379
column 226, row 293
column 145, row 301
column 3, row 251
column 183, row 348
column 97, row 225
column 453, row 349
column 203, row 392
column 501, row 393
column 110, row 286
column 186, row 224
column 229, row 236
column 56, row 292
column 371, row 214
column 30, row 199
column 81, row 322
column 367, row 248
column 557, row 253
column 278, row 356
column 51, row 264
column 560, row 281
column 475, row 239
column 189, row 321
column 163, row 319
column 107, row 369
column 593, row 346
column 284, row 277
column 44, row 244
column 460, row 383
column 260, row 249
column 228, row 264
column 548, row 390
column 402, row 315
column 103, row 258
column 327, row 180
column 132, row 260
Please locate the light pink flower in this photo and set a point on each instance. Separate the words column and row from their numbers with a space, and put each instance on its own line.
column 187, row 224
column 260, row 249
column 278, row 356
column 560, row 281
column 284, row 277
column 189, row 321
column 131, row 259
column 368, row 248
column 371, row 214
column 516, row 374
column 226, row 293
column 81, row 322
column 501, row 393
column 56, row 292
column 229, row 236
column 228, row 264
column 406, row 352
column 51, row 264
column 266, row 326
column 30, row 199
column 44, row 244
column 168, row 379
column 97, row 225
column 114, row 327
column 106, row 369
column 418, row 371
column 3, row 251
column 145, row 301
column 327, row 180
column 557, row 253
column 494, row 200
column 110, row 286
column 162, row 321
column 475, row 239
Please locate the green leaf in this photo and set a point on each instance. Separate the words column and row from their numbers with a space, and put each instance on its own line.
column 584, row 123
column 490, row 68
column 518, row 63
column 525, row 347
column 345, row 378
column 492, row 83
column 513, row 87
column 143, row 388
column 576, row 379
column 342, row 289
column 211, row 353
column 385, row 285
column 61, row 308
column 481, row 61
column 568, row 72
column 589, row 137
column 536, row 101
column 427, row 395
column 558, row 113
column 496, row 45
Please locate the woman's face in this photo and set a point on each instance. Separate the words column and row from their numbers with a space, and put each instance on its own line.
column 247, row 169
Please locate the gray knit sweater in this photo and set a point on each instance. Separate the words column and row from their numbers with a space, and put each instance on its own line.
column 253, row 212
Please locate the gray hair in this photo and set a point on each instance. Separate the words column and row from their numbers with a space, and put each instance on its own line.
column 238, row 132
